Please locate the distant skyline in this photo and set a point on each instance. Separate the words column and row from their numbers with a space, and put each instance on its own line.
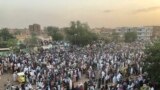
column 97, row 13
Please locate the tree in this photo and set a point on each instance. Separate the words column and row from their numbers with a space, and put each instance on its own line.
column 3, row 44
column 152, row 61
column 11, row 42
column 54, row 33
column 106, row 40
column 57, row 36
column 115, row 37
column 78, row 33
column 32, row 41
column 6, row 39
column 17, row 32
column 51, row 30
column 22, row 46
column 5, row 35
column 130, row 36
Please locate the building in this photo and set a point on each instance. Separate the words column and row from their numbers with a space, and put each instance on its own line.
column 156, row 32
column 35, row 28
column 143, row 33
column 103, row 32
column 17, row 31
column 122, row 30
column 20, row 34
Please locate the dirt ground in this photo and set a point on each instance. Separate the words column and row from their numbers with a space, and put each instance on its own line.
column 3, row 80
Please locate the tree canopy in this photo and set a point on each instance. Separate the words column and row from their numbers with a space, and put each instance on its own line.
column 6, row 39
column 78, row 33
column 152, row 61
column 115, row 37
column 130, row 36
column 54, row 33
column 32, row 41
column 5, row 35
column 51, row 30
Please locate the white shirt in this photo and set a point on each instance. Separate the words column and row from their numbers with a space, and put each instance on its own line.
column 25, row 69
column 103, row 74
column 114, row 79
column 152, row 88
column 119, row 77
column 19, row 65
column 26, row 88
column 14, row 77
column 107, row 77
column 70, row 83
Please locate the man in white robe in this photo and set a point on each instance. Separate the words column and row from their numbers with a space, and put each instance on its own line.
column 14, row 76
column 70, row 84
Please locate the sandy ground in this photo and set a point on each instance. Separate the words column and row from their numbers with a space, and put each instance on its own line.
column 3, row 80
column 82, row 80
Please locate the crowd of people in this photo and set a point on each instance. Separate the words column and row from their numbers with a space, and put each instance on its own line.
column 102, row 66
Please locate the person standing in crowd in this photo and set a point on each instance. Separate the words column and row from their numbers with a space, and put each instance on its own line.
column 0, row 70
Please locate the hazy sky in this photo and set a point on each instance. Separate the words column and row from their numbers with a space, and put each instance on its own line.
column 97, row 13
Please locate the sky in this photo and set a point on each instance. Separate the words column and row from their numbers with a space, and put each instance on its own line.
column 97, row 13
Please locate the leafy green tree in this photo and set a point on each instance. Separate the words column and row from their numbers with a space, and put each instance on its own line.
column 78, row 33
column 16, row 50
column 6, row 39
column 3, row 44
column 22, row 46
column 152, row 61
column 57, row 36
column 130, row 36
column 106, row 40
column 51, row 30
column 32, row 41
column 115, row 37
column 11, row 42
column 54, row 33
column 5, row 35
column 17, row 32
